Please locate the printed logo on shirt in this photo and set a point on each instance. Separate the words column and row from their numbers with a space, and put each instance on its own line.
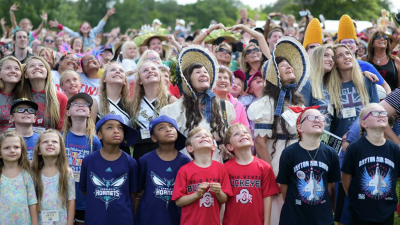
column 207, row 200
column 107, row 190
column 169, row 169
column 108, row 169
column 164, row 187
column 75, row 154
column 244, row 196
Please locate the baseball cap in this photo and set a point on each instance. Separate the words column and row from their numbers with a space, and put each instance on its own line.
column 83, row 95
column 130, row 134
column 180, row 141
column 258, row 73
column 240, row 74
column 19, row 101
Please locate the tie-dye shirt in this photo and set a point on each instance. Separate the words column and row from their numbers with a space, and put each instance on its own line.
column 51, row 200
column 16, row 195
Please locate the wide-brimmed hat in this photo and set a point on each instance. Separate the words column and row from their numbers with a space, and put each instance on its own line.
column 196, row 54
column 228, row 35
column 147, row 33
column 294, row 52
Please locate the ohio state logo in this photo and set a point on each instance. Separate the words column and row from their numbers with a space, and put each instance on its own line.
column 244, row 197
column 207, row 200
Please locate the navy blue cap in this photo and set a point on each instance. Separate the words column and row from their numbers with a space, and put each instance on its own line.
column 180, row 142
column 130, row 135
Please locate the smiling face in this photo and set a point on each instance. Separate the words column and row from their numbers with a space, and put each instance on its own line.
column 71, row 84
column 223, row 57
column 307, row 127
column 70, row 62
column 328, row 60
column 223, row 84
column 89, row 62
column 286, row 73
column 380, row 41
column 111, row 132
column 10, row 72
column 374, row 122
column 149, row 74
column 49, row 145
column 200, row 80
column 237, row 87
column 25, row 25
column 154, row 58
column 11, row 149
column 22, row 118
column 49, row 42
column 275, row 36
column 131, row 52
column 155, row 44
column 115, row 74
column 46, row 55
column 343, row 59
column 164, row 133
column 256, row 84
column 78, row 108
column 240, row 137
column 201, row 140
column 77, row 45
column 85, row 28
column 36, row 70
column 254, row 56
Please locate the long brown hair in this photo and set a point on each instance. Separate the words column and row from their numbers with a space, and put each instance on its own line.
column 62, row 165
column 371, row 49
column 18, row 87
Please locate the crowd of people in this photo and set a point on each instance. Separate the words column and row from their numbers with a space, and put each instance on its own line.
column 223, row 125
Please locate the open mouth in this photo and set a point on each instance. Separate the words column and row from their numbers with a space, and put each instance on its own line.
column 49, row 149
column 204, row 141
column 117, row 76
column 329, row 64
column 347, row 62
column 244, row 139
column 37, row 71
column 151, row 75
column 222, row 85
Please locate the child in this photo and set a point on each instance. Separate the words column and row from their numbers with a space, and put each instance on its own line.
column 108, row 176
column 70, row 83
column 157, row 173
column 202, row 185
column 166, row 76
column 252, row 181
column 54, row 180
column 80, row 140
column 129, row 51
column 17, row 192
column 308, row 170
column 370, row 170
column 22, row 114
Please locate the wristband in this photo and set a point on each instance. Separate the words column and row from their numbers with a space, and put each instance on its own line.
column 60, row 27
column 44, row 21
column 208, row 33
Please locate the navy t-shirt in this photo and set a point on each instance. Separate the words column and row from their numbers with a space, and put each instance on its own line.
column 374, row 171
column 77, row 148
column 157, row 178
column 108, row 186
column 307, row 199
column 30, row 143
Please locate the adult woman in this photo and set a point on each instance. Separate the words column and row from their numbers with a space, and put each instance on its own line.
column 77, row 45
column 379, row 55
column 362, row 48
column 69, row 61
column 38, row 87
column 90, row 77
column 150, row 95
column 222, row 88
column 198, row 105
column 10, row 85
column 48, row 55
column 286, row 74
column 49, row 42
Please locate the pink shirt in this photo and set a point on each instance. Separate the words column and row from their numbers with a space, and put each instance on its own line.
column 241, row 116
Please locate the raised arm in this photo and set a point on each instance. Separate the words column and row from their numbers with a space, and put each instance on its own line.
column 44, row 21
column 59, row 26
column 13, row 8
column 172, row 40
column 97, row 29
column 200, row 38
column 3, row 27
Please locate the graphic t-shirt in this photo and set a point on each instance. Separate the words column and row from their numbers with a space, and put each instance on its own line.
column 77, row 148
column 30, row 143
column 157, row 179
column 206, row 209
column 307, row 199
column 250, row 184
column 374, row 171
column 90, row 85
column 51, row 199
column 55, row 76
column 16, row 195
column 5, row 107
column 108, row 186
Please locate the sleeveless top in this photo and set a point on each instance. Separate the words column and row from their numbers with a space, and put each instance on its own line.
column 115, row 108
column 389, row 73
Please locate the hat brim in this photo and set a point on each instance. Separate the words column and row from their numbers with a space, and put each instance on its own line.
column 145, row 41
column 130, row 136
column 26, row 102
column 83, row 95
column 115, row 47
column 294, row 52
column 180, row 141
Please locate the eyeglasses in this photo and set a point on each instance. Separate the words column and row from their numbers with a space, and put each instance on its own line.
column 89, row 59
column 84, row 104
column 362, row 48
column 249, row 51
column 349, row 42
column 377, row 37
column 222, row 50
column 72, row 60
column 23, row 109
column 312, row 118
column 48, row 41
column 377, row 113
column 154, row 59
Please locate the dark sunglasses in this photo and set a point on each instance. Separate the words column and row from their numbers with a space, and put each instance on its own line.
column 377, row 37
column 23, row 109
column 249, row 51
column 48, row 41
column 312, row 118
column 227, row 51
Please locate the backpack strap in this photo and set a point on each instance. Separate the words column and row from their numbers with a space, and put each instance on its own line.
column 223, row 110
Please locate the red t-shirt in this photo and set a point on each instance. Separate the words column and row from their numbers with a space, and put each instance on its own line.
column 206, row 209
column 250, row 184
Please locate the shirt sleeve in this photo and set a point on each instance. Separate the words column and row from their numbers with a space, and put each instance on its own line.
column 349, row 160
column 284, row 168
column 262, row 114
column 142, row 174
column 334, row 170
column 30, row 189
column 96, row 144
column 83, row 176
column 354, row 132
column 180, row 185
column 133, row 174
column 393, row 99
column 97, row 29
column 269, row 185
column 62, row 99
column 307, row 93
column 372, row 91
column 225, row 182
column 366, row 66
column 71, row 185
column 71, row 32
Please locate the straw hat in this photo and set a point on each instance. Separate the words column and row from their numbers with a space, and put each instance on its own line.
column 346, row 29
column 147, row 33
column 297, row 56
column 196, row 54
column 313, row 33
column 228, row 35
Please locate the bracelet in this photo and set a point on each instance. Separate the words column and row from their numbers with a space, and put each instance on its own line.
column 208, row 33
column 44, row 21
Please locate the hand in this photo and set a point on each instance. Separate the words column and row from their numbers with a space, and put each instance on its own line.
column 217, row 27
column 2, row 21
column 201, row 189
column 236, row 28
column 170, row 38
column 110, row 12
column 274, row 14
column 371, row 76
column 345, row 145
column 44, row 16
column 215, row 187
column 114, row 32
column 14, row 7
column 97, row 41
column 191, row 23
column 53, row 23
column 256, row 17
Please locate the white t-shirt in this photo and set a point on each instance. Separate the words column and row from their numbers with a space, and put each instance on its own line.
column 55, row 76
column 114, row 109
column 90, row 85
column 129, row 65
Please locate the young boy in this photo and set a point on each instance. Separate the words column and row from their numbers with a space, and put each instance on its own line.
column 202, row 185
column 108, row 176
column 252, row 181
column 22, row 114
column 70, row 83
column 157, row 174
column 370, row 170
column 307, row 172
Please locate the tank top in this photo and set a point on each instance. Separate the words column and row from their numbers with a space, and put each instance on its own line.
column 389, row 73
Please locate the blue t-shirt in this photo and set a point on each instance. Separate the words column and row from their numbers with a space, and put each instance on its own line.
column 30, row 144
column 374, row 170
column 351, row 99
column 157, row 178
column 323, row 103
column 307, row 199
column 366, row 66
column 108, row 186
column 77, row 148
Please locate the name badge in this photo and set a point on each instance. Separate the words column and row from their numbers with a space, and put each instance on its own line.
column 330, row 109
column 145, row 133
column 77, row 176
column 290, row 117
column 349, row 112
column 50, row 216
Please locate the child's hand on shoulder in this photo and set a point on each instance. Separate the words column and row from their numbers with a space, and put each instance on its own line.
column 215, row 187
column 203, row 187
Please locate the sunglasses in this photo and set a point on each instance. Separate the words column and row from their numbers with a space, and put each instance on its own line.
column 48, row 41
column 376, row 114
column 312, row 118
column 249, row 51
column 89, row 59
column 377, row 37
column 361, row 48
column 72, row 60
column 85, row 27
column 23, row 109
column 227, row 51
column 349, row 42
column 84, row 104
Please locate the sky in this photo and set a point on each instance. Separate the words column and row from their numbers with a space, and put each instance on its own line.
column 257, row 3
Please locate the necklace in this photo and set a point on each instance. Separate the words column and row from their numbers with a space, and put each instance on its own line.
column 314, row 155
column 379, row 60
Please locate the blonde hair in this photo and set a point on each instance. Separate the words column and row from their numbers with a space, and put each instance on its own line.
column 225, row 45
column 50, row 52
column 318, row 77
column 143, row 58
column 65, row 73
column 244, row 66
column 62, row 166
column 126, row 45
column 334, row 86
column 363, row 113
column 228, row 133
column 192, row 133
column 17, row 91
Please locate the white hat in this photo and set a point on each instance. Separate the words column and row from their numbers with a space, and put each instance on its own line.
column 181, row 21
column 156, row 21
